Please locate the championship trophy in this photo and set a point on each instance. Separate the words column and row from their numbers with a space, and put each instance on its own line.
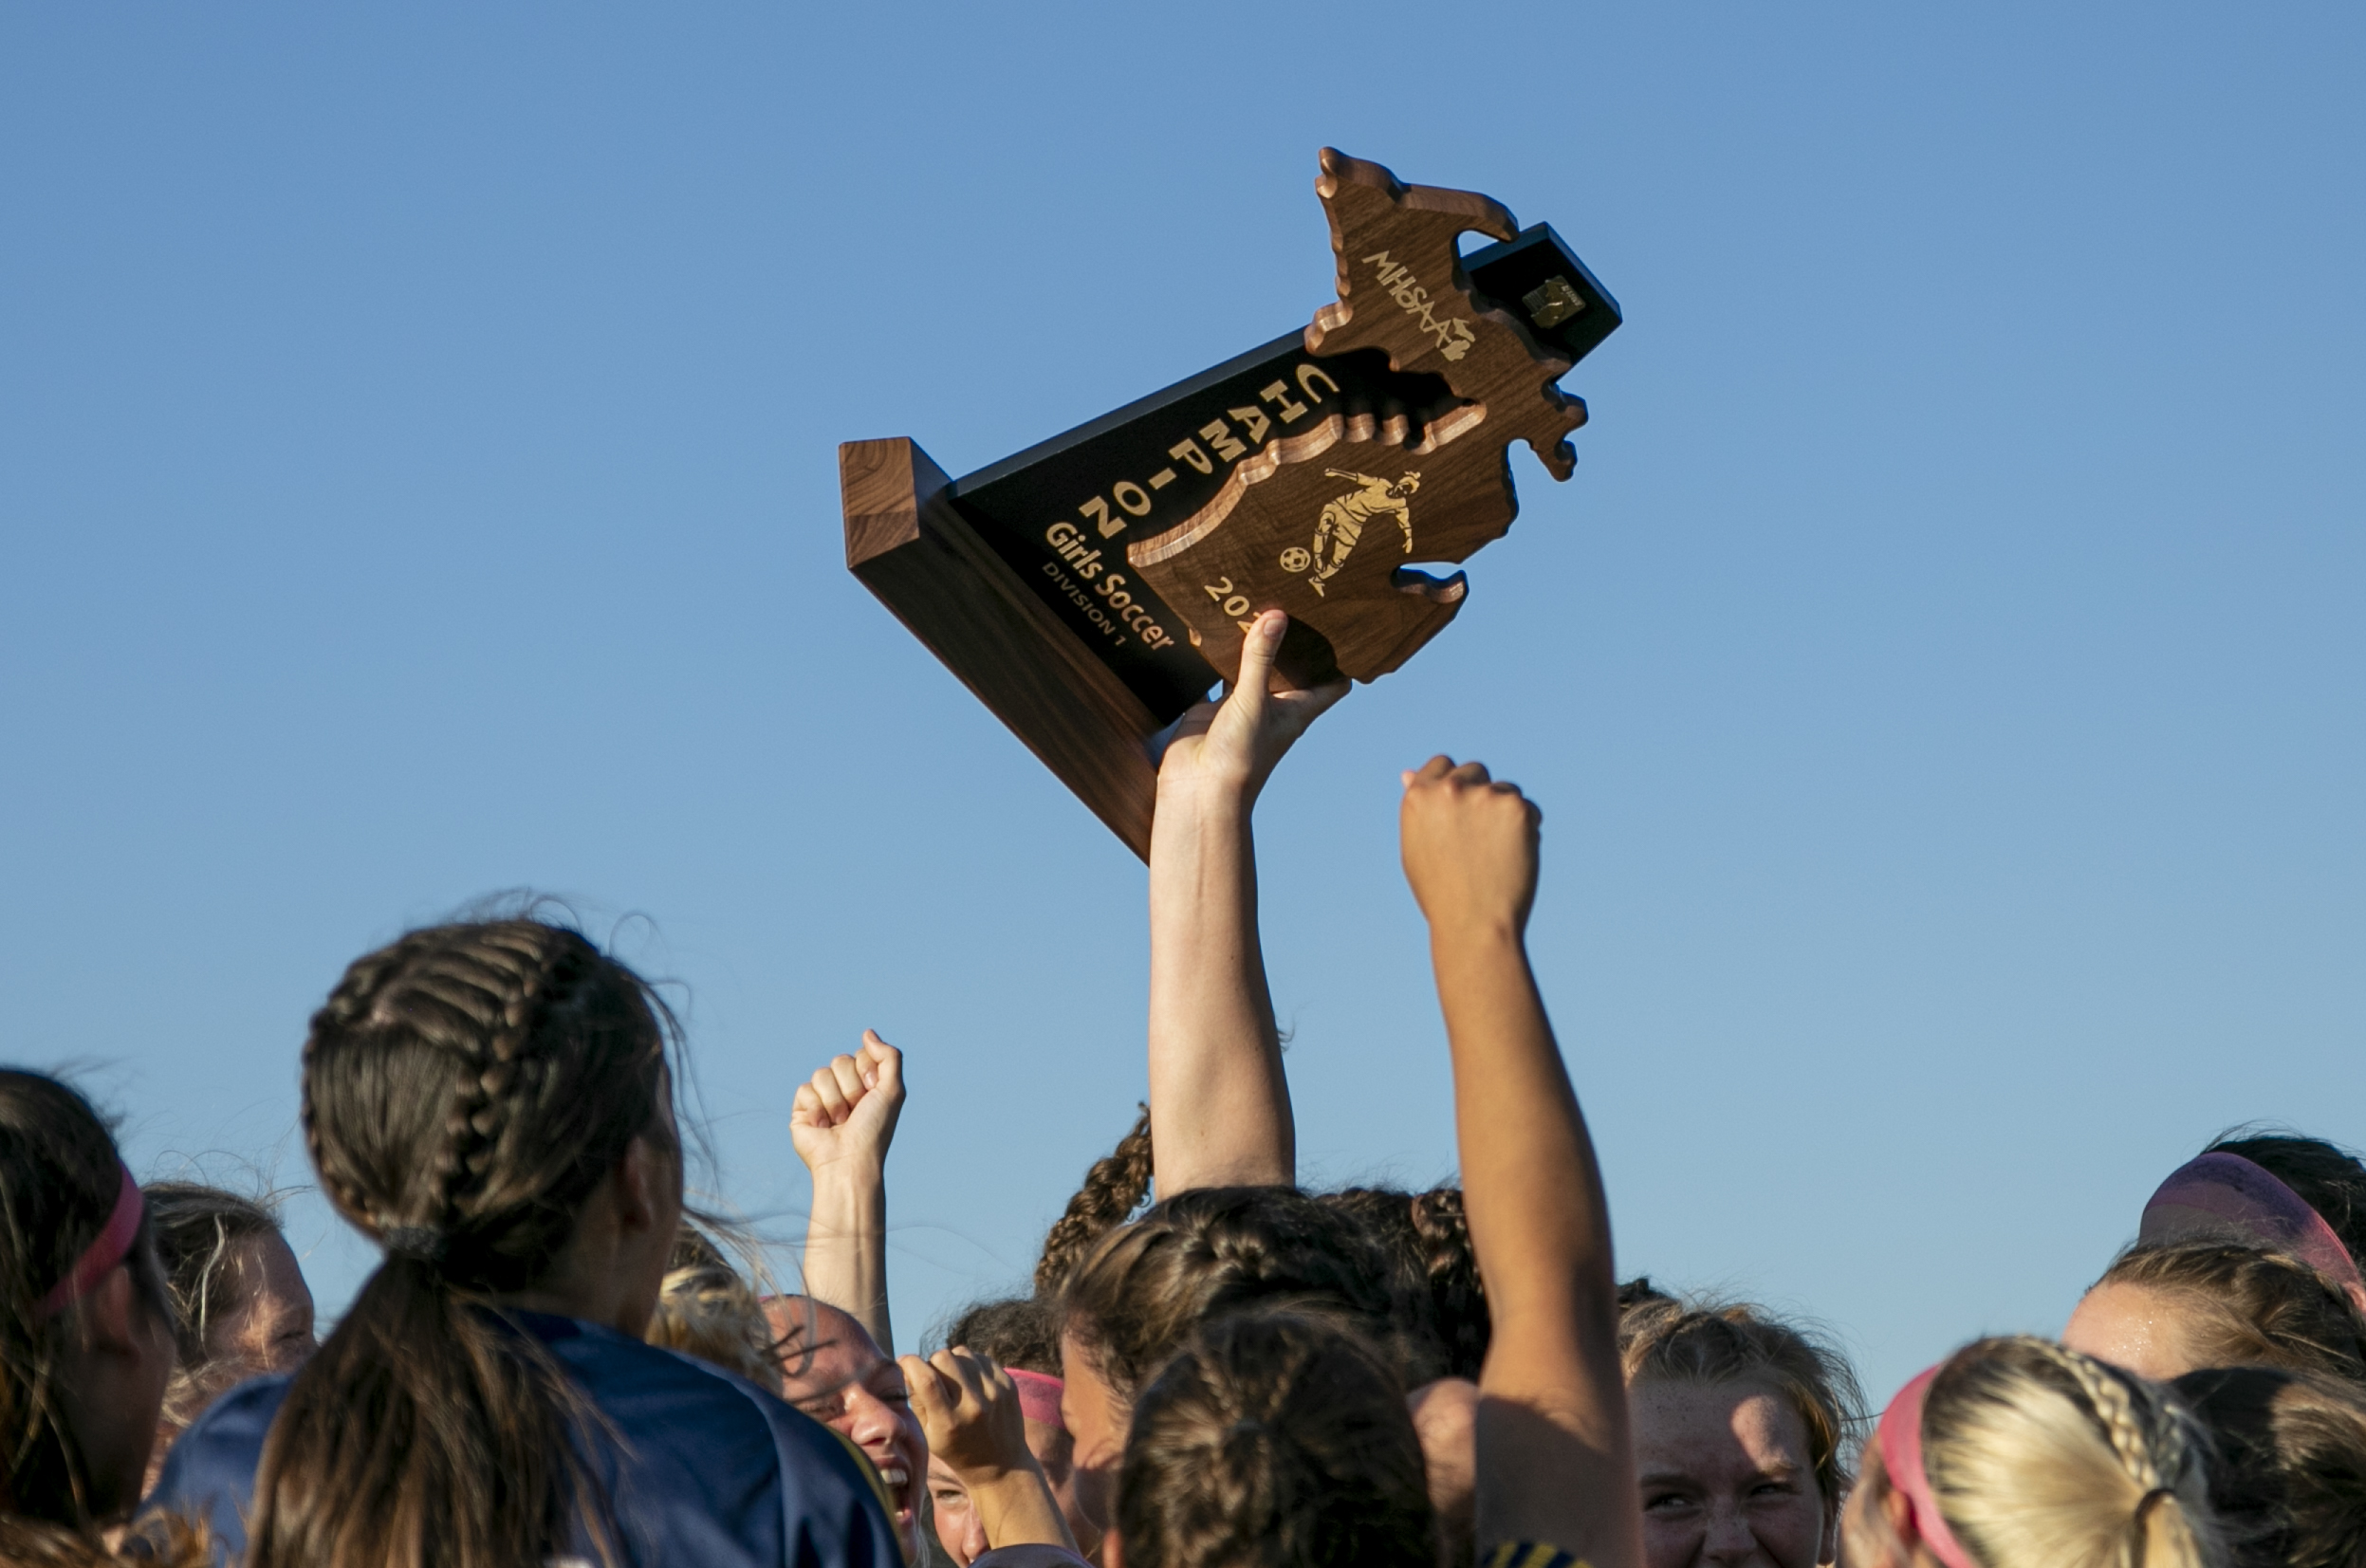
column 1090, row 589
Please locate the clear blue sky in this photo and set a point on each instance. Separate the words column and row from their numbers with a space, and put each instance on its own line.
column 1942, row 676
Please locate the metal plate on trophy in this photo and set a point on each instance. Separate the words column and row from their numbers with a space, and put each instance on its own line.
column 1092, row 588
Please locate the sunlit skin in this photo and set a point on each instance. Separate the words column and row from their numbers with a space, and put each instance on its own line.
column 2134, row 1329
column 957, row 1521
column 1095, row 1419
column 835, row 1372
column 1727, row 1479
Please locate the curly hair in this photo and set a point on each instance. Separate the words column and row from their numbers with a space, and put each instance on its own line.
column 1274, row 1440
column 1141, row 1292
column 2240, row 1306
column 1020, row 1331
column 1428, row 1239
column 1113, row 1189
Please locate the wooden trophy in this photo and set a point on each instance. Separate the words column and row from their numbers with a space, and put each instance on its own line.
column 1092, row 588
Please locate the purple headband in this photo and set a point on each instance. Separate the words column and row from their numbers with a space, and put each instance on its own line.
column 1900, row 1440
column 2223, row 1197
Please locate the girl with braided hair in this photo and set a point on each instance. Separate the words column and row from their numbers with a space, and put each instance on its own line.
column 1213, row 1252
column 2019, row 1453
column 491, row 1102
column 1428, row 1241
column 2276, row 1189
column 1112, row 1189
column 1276, row 1434
column 85, row 1330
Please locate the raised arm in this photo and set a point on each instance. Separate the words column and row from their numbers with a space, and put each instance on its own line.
column 1219, row 1108
column 1554, row 1459
column 842, row 1122
column 969, row 1410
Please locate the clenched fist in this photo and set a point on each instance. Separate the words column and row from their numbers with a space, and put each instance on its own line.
column 1469, row 846
column 848, row 1108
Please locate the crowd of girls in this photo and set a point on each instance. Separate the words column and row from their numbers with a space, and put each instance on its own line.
column 557, row 1364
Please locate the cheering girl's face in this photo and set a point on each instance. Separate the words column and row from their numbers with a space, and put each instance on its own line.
column 1727, row 1478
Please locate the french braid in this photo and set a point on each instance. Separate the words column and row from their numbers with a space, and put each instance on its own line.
column 465, row 1090
column 474, row 996
column 511, row 977
column 1113, row 1189
column 347, row 1010
column 2148, row 1438
column 2045, row 1458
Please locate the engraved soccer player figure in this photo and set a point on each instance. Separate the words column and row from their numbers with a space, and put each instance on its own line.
column 1345, row 517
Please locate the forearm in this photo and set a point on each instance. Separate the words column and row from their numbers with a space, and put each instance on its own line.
column 846, row 1261
column 1219, row 1104
column 1554, row 1456
column 1016, row 1507
column 1544, row 1243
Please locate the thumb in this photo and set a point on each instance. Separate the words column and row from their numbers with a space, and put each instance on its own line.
column 920, row 1383
column 883, row 1064
column 1259, row 649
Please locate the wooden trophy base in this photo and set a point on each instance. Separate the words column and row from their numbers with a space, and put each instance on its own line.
column 913, row 549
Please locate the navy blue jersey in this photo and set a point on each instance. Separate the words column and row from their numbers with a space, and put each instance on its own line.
column 710, row 1470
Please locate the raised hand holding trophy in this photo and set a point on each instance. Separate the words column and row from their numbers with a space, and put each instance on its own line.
column 1091, row 589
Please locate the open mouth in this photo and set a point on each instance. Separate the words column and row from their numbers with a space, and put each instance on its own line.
column 898, row 1482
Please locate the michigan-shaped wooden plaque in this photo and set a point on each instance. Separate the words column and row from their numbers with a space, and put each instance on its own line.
column 1092, row 588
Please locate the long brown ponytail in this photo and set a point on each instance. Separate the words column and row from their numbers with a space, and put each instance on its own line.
column 464, row 1089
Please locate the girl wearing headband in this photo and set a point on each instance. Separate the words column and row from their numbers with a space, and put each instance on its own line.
column 86, row 1329
column 2227, row 1197
column 1275, row 1436
column 1021, row 1336
column 2018, row 1453
column 2161, row 1312
column 2328, row 1178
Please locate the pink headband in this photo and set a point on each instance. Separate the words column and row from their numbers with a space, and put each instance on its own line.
column 1900, row 1438
column 2226, row 1197
column 1039, row 1394
column 102, row 1254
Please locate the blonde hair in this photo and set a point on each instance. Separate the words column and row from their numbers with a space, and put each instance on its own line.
column 2040, row 1457
column 705, row 1309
